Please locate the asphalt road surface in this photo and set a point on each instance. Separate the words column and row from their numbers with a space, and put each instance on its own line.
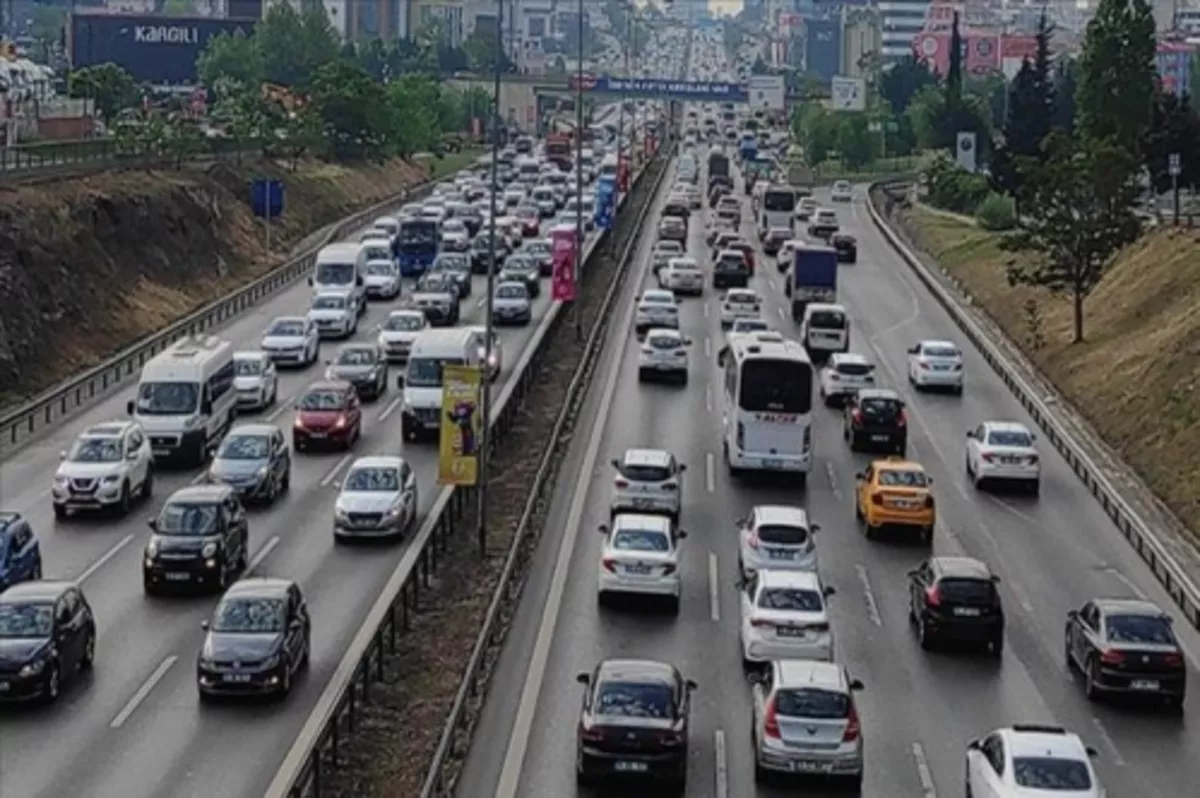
column 918, row 709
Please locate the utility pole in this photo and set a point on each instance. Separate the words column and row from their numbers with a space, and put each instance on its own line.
column 576, row 309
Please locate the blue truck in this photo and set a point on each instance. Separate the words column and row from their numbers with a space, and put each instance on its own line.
column 416, row 245
column 813, row 278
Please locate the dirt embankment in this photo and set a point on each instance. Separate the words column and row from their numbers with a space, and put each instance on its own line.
column 1137, row 376
column 88, row 265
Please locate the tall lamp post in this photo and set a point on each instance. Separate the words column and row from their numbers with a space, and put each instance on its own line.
column 578, row 311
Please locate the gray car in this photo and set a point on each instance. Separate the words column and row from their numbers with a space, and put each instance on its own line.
column 255, row 460
column 523, row 268
column 378, row 498
column 364, row 366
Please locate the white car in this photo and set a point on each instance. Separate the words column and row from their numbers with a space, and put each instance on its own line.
column 334, row 313
column 1003, row 451
column 842, row 191
column 1025, row 760
column 787, row 253
column 292, row 341
column 255, row 380
column 656, row 308
column 805, row 209
column 663, row 252
column 511, row 304
column 647, row 481
column 784, row 617
column 749, row 326
column 398, row 331
column 663, row 355
column 456, row 240
column 740, row 303
column 494, row 360
column 682, row 276
column 378, row 498
column 382, row 279
column 845, row 374
column 107, row 468
column 691, row 193
column 935, row 364
column 640, row 555
column 777, row 537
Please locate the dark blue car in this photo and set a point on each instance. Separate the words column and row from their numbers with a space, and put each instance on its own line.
column 20, row 554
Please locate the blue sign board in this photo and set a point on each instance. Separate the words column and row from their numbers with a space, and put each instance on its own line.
column 703, row 91
column 266, row 198
column 606, row 194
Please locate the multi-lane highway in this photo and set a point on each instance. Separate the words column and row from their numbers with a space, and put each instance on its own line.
column 134, row 728
column 919, row 709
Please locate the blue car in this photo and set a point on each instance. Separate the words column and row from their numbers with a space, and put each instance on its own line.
column 20, row 554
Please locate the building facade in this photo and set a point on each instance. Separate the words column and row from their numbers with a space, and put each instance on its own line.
column 901, row 21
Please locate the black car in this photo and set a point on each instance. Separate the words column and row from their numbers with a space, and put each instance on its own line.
column 634, row 723
column 458, row 266
column 846, row 246
column 773, row 240
column 730, row 271
column 47, row 635
column 481, row 249
column 543, row 251
column 874, row 419
column 954, row 599
column 1126, row 647
column 680, row 209
column 201, row 539
column 255, row 460
column 523, row 268
column 258, row 639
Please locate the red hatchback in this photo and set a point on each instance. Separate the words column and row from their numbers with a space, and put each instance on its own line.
column 328, row 413
column 531, row 220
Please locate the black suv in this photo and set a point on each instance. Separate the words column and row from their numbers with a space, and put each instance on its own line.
column 955, row 599
column 201, row 539
column 875, row 420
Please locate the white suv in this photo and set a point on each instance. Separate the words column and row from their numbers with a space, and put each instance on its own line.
column 844, row 375
column 648, row 481
column 1027, row 759
column 663, row 356
column 107, row 467
column 776, row 537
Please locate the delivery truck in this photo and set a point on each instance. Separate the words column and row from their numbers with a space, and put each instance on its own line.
column 813, row 278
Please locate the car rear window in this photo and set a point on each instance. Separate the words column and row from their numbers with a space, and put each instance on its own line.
column 790, row 598
column 972, row 591
column 1009, row 438
column 782, row 535
column 812, row 703
column 880, row 409
column 663, row 342
column 939, row 351
column 827, row 320
column 903, row 478
column 1138, row 629
column 1051, row 773
column 855, row 369
column 633, row 700
column 644, row 473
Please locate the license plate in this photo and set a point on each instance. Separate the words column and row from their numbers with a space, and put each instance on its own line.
column 316, row 434
column 161, row 452
column 790, row 631
column 643, row 504
column 631, row 767
column 769, row 463
column 967, row 612
column 4, row 687
column 641, row 570
column 812, row 767
column 941, row 368
column 879, row 437
column 237, row 678
column 1143, row 684
column 177, row 576
column 781, row 554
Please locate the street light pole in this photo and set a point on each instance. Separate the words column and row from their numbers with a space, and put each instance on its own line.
column 629, row 28
column 578, row 312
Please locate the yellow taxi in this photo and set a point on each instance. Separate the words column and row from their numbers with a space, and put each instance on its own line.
column 896, row 494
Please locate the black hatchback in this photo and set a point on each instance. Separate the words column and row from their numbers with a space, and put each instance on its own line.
column 47, row 634
column 201, row 538
column 874, row 420
column 954, row 599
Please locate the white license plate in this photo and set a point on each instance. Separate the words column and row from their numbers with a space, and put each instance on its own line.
column 790, row 631
column 769, row 463
column 1143, row 684
column 967, row 612
column 643, row 504
column 4, row 687
column 631, row 767
column 177, row 576
column 237, row 678
column 781, row 554
column 640, row 570
column 161, row 452
column 316, row 435
column 879, row 437
column 812, row 767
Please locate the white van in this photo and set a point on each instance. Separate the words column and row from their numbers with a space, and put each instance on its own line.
column 609, row 165
column 342, row 267
column 824, row 330
column 434, row 349
column 186, row 400
column 688, row 170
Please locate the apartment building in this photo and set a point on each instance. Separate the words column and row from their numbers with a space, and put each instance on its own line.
column 901, row 21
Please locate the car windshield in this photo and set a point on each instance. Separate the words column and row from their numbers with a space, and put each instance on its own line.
column 96, row 450
column 372, row 478
column 33, row 621
column 881, row 409
column 167, row 398
column 749, row 325
column 828, row 320
column 404, row 322
column 187, row 518
column 292, row 328
column 245, row 447
column 668, row 249
column 377, row 250
column 520, row 264
column 334, row 274
column 741, row 299
column 322, row 400
column 426, row 372
column 435, row 283
column 939, row 351
column 657, row 299
column 1009, row 437
column 328, row 303
column 250, row 616
column 633, row 700
column 790, row 598
column 356, row 357
column 511, row 292
column 248, row 367
column 380, row 269
column 640, row 540
column 452, row 263
column 903, row 478
column 974, row 591
column 812, row 703
column 1051, row 774
column 1138, row 629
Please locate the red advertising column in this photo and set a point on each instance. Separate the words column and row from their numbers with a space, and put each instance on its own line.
column 623, row 175
column 563, row 253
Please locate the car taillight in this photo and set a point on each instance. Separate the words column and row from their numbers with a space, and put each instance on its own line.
column 591, row 735
column 987, row 457
column 1112, row 657
column 620, row 483
column 923, row 365
column 902, row 419
column 877, row 499
column 668, row 570
column 298, row 423
column 758, row 623
column 1173, row 660
column 852, row 726
column 752, row 541
column 1033, row 459
column 929, row 502
column 670, row 739
column 933, row 596
column 610, row 564
column 834, row 376
column 741, row 435
column 856, row 418
column 680, row 353
column 771, row 721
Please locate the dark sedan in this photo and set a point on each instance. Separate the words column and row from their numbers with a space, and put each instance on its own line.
column 47, row 634
column 257, row 641
column 481, row 250
column 846, row 246
column 954, row 599
column 364, row 366
column 255, row 460
column 458, row 266
column 543, row 251
column 201, row 538
column 526, row 269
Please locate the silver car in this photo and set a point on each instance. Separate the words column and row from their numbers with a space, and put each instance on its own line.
column 364, row 366
column 511, row 304
column 255, row 460
column 398, row 331
column 378, row 498
column 334, row 313
column 255, row 380
column 383, row 279
column 292, row 341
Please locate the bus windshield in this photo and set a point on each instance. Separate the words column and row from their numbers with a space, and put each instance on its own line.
column 418, row 233
column 779, row 201
column 776, row 386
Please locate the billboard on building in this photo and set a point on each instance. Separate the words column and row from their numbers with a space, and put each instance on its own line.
column 823, row 47
column 153, row 49
column 848, row 94
column 1014, row 49
column 1174, row 63
column 980, row 52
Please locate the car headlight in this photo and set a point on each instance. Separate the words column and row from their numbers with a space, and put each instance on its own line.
column 394, row 511
column 271, row 661
column 340, row 514
column 152, row 549
column 111, row 479
column 189, row 423
column 60, row 479
column 262, row 472
column 329, row 374
column 33, row 668
column 209, row 550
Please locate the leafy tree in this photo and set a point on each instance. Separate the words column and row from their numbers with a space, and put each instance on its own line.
column 108, row 86
column 1066, row 85
column 954, row 74
column 818, row 132
column 355, row 113
column 1077, row 211
column 991, row 91
column 1174, row 128
column 900, row 84
column 1026, row 125
column 231, row 57
column 416, row 124
column 295, row 46
column 483, row 50
column 854, row 140
column 1117, row 73
column 1043, row 74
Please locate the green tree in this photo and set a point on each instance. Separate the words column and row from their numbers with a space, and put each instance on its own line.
column 818, row 132
column 47, row 25
column 295, row 46
column 231, row 57
column 1174, row 129
column 1077, row 211
column 108, row 86
column 854, row 140
column 356, row 116
column 904, row 81
column 1025, row 127
column 483, row 49
column 416, row 124
column 1066, row 85
column 1117, row 73
column 954, row 74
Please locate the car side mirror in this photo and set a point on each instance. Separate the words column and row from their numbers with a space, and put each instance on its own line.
column 1072, row 614
column 152, row 523
column 583, row 678
column 814, row 529
column 973, row 745
column 995, row 580
column 681, row 533
column 615, row 463
column 204, row 625
column 912, row 350
column 913, row 572
column 682, row 467
column 129, row 407
column 1092, row 752
column 603, row 529
column 829, row 590
column 861, row 475
column 756, row 677
column 691, row 684
column 309, row 281
column 856, row 684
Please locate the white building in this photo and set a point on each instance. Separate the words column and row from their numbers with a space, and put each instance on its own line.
column 902, row 20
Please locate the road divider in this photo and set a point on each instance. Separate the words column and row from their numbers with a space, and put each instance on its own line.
column 1147, row 541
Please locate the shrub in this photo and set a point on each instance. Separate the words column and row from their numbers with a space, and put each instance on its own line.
column 952, row 188
column 996, row 213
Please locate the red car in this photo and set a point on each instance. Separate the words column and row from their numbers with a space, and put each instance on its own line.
column 328, row 413
column 746, row 250
column 531, row 220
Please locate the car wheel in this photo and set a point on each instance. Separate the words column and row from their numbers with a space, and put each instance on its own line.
column 996, row 646
column 60, row 512
column 923, row 637
column 126, row 503
column 148, row 484
column 89, row 653
column 36, row 575
column 285, row 684
column 1068, row 660
column 53, row 684
column 1091, row 687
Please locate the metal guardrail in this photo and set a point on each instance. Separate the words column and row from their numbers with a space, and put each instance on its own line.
column 335, row 715
column 31, row 159
column 52, row 407
column 1137, row 532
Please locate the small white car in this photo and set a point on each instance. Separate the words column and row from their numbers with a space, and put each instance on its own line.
column 663, row 356
column 784, row 617
column 777, row 537
column 334, row 313
column 805, row 209
column 1027, row 760
column 108, row 467
column 640, row 555
column 292, row 341
column 656, row 308
column 456, row 240
column 740, row 303
column 842, row 191
column 682, row 276
column 1003, row 451
column 824, row 329
column 255, row 380
column 382, row 279
column 513, row 197
column 749, row 326
column 378, row 498
column 936, row 364
column 398, row 331
column 691, row 193
column 787, row 253
column 663, row 252
column 494, row 360
column 647, row 481
column 845, row 374
column 511, row 304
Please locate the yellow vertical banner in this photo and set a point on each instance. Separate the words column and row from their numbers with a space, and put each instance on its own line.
column 461, row 427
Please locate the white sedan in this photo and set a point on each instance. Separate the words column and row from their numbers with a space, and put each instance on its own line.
column 255, row 380
column 1003, row 451
column 740, row 303
column 335, row 313
column 935, row 364
column 640, row 556
column 656, row 308
column 842, row 191
column 784, row 617
column 663, row 355
column 682, row 276
column 292, row 340
column 1026, row 760
column 844, row 375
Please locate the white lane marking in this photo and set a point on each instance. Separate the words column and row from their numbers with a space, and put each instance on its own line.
column 1108, row 741
column 780, row 311
column 923, row 772
column 710, row 472
column 706, row 310
column 262, row 554
column 714, row 588
column 285, row 404
column 392, row 405
column 771, row 284
column 722, row 763
column 707, row 347
column 91, row 570
column 328, row 479
column 869, row 595
column 203, row 475
column 481, row 301
column 708, row 398
column 143, row 692
column 833, row 482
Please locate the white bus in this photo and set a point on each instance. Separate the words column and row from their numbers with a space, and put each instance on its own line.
column 777, row 209
column 766, row 414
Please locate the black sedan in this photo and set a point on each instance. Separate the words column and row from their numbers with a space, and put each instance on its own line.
column 634, row 724
column 47, row 634
column 954, row 599
column 257, row 641
column 481, row 249
column 846, row 246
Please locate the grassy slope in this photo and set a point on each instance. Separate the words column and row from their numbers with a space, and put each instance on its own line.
column 1137, row 376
